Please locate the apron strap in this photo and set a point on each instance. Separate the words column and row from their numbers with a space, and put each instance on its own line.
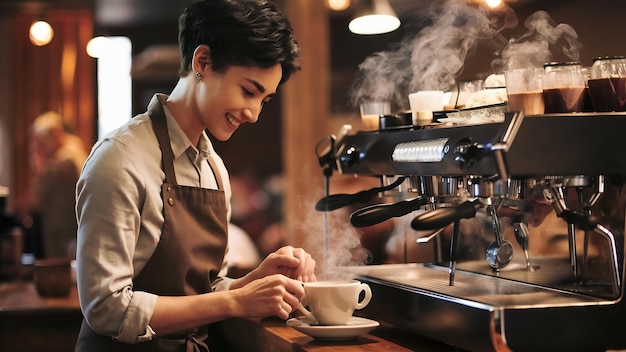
column 216, row 172
column 159, row 125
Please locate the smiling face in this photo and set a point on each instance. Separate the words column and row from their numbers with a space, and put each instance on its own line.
column 227, row 99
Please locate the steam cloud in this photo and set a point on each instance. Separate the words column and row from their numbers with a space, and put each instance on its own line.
column 536, row 47
column 431, row 58
column 343, row 247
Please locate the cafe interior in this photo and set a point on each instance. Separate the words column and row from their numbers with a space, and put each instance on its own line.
column 422, row 251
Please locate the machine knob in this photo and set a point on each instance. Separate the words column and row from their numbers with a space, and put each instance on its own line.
column 467, row 152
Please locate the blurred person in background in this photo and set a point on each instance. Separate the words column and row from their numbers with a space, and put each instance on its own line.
column 257, row 209
column 243, row 255
column 56, row 159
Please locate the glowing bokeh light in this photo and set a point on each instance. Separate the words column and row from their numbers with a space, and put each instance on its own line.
column 40, row 33
column 97, row 46
column 338, row 5
column 493, row 3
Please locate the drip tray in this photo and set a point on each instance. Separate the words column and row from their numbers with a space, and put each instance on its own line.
column 488, row 313
column 487, row 290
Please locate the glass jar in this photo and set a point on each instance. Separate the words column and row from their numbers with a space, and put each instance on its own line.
column 563, row 87
column 607, row 84
column 524, row 90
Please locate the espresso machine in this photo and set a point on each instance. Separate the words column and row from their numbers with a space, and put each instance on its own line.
column 525, row 216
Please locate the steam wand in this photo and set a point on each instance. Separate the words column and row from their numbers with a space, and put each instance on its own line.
column 520, row 229
column 325, row 151
column 325, row 158
column 453, row 244
column 598, row 190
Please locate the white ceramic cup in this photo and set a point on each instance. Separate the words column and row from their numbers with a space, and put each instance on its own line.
column 423, row 103
column 334, row 302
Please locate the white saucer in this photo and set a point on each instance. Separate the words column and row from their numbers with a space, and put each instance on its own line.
column 354, row 328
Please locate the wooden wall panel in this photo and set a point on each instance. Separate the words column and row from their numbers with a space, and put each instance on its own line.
column 59, row 76
column 305, row 121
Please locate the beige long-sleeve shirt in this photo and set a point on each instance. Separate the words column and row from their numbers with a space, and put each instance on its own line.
column 120, row 214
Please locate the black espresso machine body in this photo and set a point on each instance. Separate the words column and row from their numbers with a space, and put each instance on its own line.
column 530, row 237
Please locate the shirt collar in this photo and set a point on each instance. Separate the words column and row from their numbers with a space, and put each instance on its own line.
column 179, row 140
column 204, row 145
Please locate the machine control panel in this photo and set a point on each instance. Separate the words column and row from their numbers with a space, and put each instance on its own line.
column 429, row 150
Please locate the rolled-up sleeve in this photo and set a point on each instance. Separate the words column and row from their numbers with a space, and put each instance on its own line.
column 119, row 228
column 120, row 218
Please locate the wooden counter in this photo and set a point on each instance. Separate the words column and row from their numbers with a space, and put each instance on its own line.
column 31, row 323
column 272, row 334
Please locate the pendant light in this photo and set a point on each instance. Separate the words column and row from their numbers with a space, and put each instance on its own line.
column 374, row 17
column 40, row 33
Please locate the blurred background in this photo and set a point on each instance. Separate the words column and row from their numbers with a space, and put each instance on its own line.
column 273, row 165
column 98, row 62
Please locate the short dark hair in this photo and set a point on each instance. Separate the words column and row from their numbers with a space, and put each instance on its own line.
column 239, row 33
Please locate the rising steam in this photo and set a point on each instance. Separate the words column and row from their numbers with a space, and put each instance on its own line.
column 343, row 243
column 431, row 58
column 536, row 47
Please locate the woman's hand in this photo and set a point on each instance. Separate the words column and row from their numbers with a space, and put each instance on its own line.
column 292, row 262
column 274, row 295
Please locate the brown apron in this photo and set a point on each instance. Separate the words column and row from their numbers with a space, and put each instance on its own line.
column 187, row 259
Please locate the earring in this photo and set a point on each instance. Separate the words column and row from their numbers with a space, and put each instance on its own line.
column 199, row 75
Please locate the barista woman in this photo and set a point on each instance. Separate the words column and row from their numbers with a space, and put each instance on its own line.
column 153, row 197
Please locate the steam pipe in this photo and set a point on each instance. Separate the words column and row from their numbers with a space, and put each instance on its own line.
column 326, row 159
column 603, row 231
column 453, row 244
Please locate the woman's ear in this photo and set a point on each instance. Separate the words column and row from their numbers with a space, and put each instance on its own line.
column 201, row 59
